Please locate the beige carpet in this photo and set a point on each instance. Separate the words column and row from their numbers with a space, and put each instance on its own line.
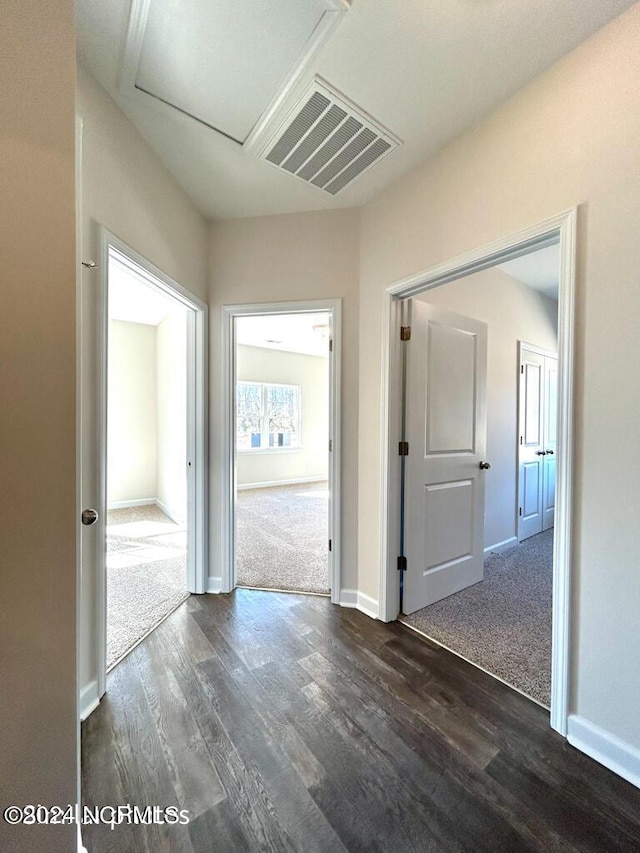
column 146, row 575
column 503, row 624
column 282, row 538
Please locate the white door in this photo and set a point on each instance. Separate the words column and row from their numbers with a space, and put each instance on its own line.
column 530, row 448
column 537, row 442
column 549, row 441
column 446, row 428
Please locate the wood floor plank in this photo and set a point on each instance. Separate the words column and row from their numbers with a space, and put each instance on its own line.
column 289, row 725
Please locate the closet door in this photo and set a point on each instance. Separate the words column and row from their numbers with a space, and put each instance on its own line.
column 550, row 420
column 531, row 443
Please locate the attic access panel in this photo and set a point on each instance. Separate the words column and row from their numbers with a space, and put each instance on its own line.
column 225, row 63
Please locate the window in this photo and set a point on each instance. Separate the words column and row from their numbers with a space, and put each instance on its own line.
column 268, row 416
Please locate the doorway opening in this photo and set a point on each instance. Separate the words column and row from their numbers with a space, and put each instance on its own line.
column 283, row 453
column 143, row 479
column 147, row 524
column 464, row 366
column 487, row 403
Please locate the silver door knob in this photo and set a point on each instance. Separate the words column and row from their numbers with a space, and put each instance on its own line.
column 89, row 516
column 484, row 466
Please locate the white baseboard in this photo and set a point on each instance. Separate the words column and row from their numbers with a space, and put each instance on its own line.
column 214, row 584
column 499, row 547
column 127, row 504
column 364, row 603
column 89, row 699
column 165, row 509
column 607, row 749
column 271, row 483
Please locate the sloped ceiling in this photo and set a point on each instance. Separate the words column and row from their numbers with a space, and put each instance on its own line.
column 425, row 69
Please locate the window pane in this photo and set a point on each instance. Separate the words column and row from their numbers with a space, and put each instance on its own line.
column 283, row 411
column 248, row 415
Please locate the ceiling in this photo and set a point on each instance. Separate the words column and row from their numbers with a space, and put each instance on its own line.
column 423, row 69
column 539, row 270
column 134, row 301
column 288, row 332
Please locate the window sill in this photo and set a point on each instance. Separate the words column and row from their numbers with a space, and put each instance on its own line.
column 259, row 451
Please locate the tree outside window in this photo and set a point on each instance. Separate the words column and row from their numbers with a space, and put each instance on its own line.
column 268, row 416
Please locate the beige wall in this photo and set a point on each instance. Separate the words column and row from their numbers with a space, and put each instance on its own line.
column 280, row 258
column 38, row 728
column 311, row 373
column 171, row 342
column 133, row 412
column 127, row 189
column 570, row 138
column 513, row 312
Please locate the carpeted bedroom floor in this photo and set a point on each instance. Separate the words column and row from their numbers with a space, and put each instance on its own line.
column 503, row 624
column 282, row 538
column 146, row 575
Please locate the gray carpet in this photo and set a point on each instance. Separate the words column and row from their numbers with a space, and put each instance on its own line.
column 282, row 538
column 503, row 624
column 146, row 575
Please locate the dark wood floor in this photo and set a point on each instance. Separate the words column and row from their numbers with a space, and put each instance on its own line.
column 283, row 723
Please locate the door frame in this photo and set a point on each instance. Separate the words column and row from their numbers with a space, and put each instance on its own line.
column 228, row 497
column 560, row 229
column 197, row 426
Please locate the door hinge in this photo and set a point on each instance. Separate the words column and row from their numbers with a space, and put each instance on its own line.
column 520, row 511
column 405, row 333
column 330, row 445
column 520, row 439
column 330, row 544
column 402, row 564
column 522, row 368
column 403, row 448
column 330, row 344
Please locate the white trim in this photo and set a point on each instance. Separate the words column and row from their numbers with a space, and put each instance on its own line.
column 89, row 699
column 132, row 503
column 197, row 425
column 268, row 484
column 501, row 547
column 558, row 229
column 81, row 847
column 533, row 348
column 214, row 584
column 607, row 749
column 228, row 486
column 359, row 601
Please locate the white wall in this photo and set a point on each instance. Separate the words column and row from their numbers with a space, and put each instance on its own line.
column 126, row 188
column 570, row 138
column 281, row 258
column 38, row 724
column 311, row 373
column 171, row 353
column 513, row 312
column 132, row 413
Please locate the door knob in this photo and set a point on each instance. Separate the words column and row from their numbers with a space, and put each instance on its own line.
column 89, row 516
column 484, row 466
column 541, row 452
column 550, row 452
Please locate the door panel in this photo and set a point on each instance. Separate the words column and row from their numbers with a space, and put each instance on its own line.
column 550, row 441
column 450, row 391
column 446, row 432
column 537, row 442
column 530, row 449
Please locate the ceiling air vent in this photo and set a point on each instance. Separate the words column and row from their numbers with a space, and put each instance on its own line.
column 326, row 141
